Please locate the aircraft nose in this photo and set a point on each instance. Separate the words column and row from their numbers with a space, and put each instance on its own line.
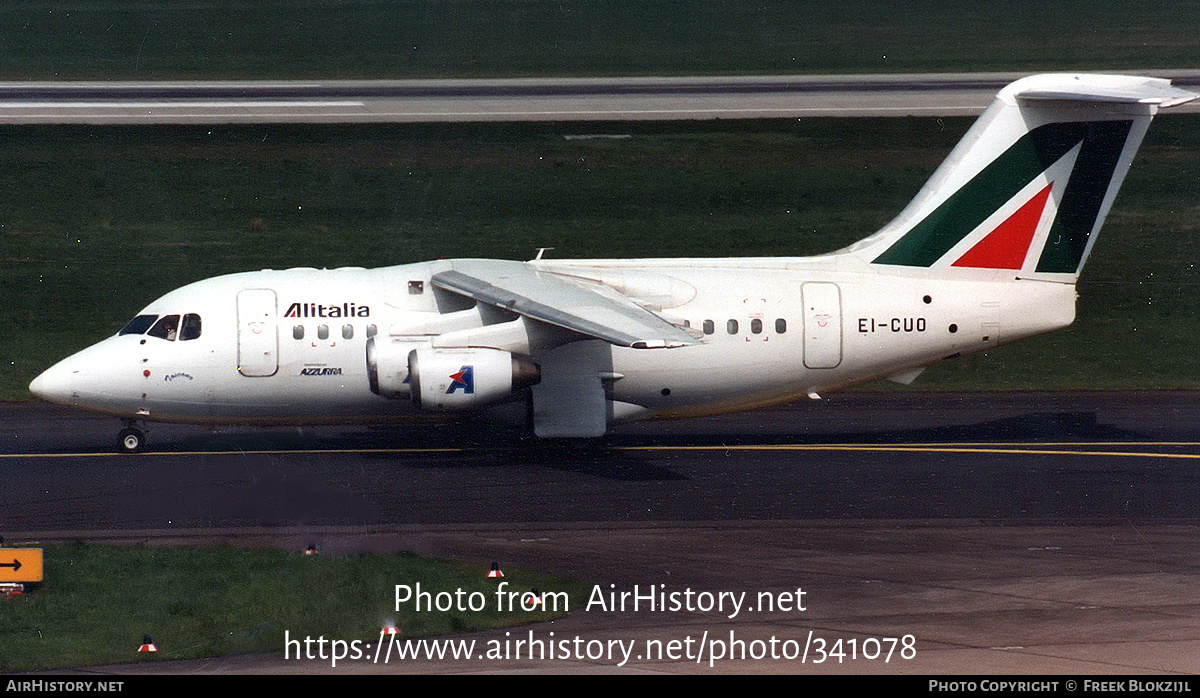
column 54, row 384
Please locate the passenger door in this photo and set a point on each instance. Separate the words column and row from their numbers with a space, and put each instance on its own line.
column 258, row 332
column 822, row 325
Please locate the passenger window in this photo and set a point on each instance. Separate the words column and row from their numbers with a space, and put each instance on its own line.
column 731, row 327
column 166, row 328
column 756, row 326
column 190, row 328
column 708, row 327
column 298, row 332
column 780, row 325
column 322, row 331
column 138, row 325
column 347, row 331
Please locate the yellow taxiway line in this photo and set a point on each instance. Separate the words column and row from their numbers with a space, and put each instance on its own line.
column 1066, row 448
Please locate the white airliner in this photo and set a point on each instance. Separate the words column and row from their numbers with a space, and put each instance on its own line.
column 987, row 253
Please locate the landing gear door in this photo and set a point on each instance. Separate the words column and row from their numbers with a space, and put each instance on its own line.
column 258, row 333
column 822, row 325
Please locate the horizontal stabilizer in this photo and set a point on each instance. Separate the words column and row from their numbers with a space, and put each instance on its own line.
column 1096, row 88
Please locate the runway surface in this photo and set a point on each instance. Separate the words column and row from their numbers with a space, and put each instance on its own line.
column 1027, row 532
column 530, row 99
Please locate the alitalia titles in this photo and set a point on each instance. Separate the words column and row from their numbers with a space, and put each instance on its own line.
column 319, row 310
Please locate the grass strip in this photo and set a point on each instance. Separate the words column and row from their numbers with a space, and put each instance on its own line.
column 99, row 601
column 171, row 39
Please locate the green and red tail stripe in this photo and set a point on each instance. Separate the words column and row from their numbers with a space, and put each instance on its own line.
column 1006, row 246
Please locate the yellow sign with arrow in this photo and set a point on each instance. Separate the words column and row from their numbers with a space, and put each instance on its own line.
column 20, row 565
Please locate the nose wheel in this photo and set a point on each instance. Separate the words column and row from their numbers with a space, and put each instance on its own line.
column 132, row 440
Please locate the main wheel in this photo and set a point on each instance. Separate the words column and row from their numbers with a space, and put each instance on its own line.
column 132, row 440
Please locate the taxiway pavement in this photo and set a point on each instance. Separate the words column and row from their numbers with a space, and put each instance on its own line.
column 1004, row 533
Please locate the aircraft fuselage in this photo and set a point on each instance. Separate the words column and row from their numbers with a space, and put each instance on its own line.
column 771, row 331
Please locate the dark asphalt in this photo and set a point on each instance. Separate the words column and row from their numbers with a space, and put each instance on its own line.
column 1024, row 457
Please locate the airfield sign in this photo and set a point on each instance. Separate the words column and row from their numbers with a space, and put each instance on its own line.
column 20, row 565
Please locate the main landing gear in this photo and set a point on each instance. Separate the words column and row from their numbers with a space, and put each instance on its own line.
column 132, row 438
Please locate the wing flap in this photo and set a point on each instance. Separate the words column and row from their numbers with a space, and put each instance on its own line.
column 561, row 302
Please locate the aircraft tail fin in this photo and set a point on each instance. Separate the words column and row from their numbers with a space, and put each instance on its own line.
column 1029, row 185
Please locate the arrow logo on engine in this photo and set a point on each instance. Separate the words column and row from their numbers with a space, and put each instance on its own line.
column 463, row 380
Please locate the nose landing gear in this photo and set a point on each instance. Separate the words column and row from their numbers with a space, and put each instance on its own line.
column 132, row 439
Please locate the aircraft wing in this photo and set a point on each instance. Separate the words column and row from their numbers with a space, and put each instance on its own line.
column 573, row 304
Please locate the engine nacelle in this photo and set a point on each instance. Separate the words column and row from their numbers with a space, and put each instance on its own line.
column 387, row 366
column 459, row 379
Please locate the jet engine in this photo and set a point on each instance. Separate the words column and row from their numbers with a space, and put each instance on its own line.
column 458, row 379
column 387, row 366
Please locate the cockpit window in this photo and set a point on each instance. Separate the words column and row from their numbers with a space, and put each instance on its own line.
column 191, row 327
column 166, row 328
column 138, row 325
